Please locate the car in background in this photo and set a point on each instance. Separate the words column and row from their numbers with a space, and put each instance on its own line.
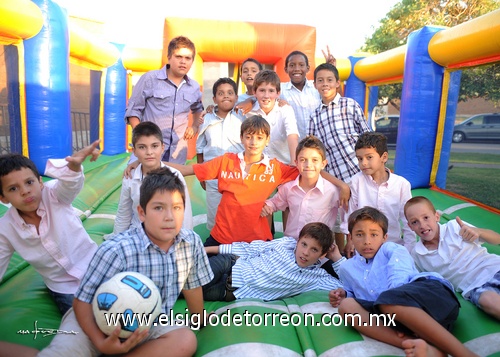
column 478, row 127
column 388, row 125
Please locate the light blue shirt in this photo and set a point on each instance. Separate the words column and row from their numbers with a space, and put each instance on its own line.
column 391, row 267
column 267, row 270
column 184, row 266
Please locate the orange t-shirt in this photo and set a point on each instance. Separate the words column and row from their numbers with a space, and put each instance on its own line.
column 238, row 215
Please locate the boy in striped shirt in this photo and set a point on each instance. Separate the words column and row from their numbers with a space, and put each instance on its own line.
column 274, row 269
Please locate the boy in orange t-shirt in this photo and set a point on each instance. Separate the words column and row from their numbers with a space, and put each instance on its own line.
column 245, row 180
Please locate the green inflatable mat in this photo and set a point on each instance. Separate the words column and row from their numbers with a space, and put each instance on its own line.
column 303, row 325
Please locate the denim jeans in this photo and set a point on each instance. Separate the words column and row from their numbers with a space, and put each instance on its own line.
column 63, row 301
column 221, row 265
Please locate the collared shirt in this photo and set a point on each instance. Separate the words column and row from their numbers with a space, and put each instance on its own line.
column 127, row 215
column 219, row 135
column 304, row 102
column 390, row 198
column 268, row 271
column 467, row 265
column 184, row 266
column 155, row 98
column 319, row 204
column 283, row 123
column 61, row 249
column 338, row 125
column 391, row 267
column 243, row 194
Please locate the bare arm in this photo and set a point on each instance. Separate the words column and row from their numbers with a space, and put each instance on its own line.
column 194, row 301
column 133, row 121
column 470, row 234
column 186, row 170
column 212, row 250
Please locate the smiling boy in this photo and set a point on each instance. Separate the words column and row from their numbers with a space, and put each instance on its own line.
column 273, row 270
column 382, row 278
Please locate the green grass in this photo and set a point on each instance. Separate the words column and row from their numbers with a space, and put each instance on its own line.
column 478, row 184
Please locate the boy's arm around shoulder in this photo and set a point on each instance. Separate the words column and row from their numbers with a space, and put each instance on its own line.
column 345, row 191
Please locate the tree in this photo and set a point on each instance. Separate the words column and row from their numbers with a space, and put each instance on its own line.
column 410, row 15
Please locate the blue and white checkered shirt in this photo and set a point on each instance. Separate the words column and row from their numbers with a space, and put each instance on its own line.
column 338, row 125
column 267, row 270
column 184, row 266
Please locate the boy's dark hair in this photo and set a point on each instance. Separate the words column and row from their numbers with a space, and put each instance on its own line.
column 368, row 213
column 419, row 199
column 295, row 53
column 146, row 128
column 374, row 140
column 250, row 59
column 319, row 231
column 15, row 162
column 329, row 67
column 254, row 125
column 180, row 42
column 267, row 76
column 311, row 142
column 160, row 180
column 224, row 80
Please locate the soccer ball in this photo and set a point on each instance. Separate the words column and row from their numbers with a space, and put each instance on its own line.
column 128, row 299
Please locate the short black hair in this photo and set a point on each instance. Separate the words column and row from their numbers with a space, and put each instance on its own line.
column 319, row 231
column 254, row 125
column 295, row 53
column 329, row 67
column 224, row 80
column 370, row 139
column 160, row 180
column 15, row 162
column 368, row 213
column 146, row 128
column 250, row 59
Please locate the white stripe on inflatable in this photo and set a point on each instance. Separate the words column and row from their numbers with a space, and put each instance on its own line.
column 485, row 345
column 199, row 219
column 314, row 308
column 266, row 305
column 368, row 347
column 102, row 215
column 253, row 349
column 460, row 206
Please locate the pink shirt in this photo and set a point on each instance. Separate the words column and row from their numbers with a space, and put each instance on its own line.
column 62, row 251
column 319, row 204
column 389, row 198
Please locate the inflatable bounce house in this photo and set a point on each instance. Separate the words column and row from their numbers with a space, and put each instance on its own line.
column 40, row 41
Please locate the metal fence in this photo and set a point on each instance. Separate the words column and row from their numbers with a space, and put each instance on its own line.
column 80, row 123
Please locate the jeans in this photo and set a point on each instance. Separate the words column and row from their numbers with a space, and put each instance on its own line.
column 63, row 301
column 221, row 265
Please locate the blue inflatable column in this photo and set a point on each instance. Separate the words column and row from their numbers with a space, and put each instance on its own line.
column 420, row 102
column 451, row 112
column 12, row 66
column 95, row 104
column 115, row 96
column 48, row 108
column 355, row 88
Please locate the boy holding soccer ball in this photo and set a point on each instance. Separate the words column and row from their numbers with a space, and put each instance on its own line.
column 172, row 257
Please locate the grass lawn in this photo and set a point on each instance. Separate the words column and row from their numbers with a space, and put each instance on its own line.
column 478, row 184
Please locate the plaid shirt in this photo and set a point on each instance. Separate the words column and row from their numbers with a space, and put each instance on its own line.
column 338, row 125
column 184, row 266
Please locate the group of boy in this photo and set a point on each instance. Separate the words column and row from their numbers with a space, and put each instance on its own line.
column 244, row 259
